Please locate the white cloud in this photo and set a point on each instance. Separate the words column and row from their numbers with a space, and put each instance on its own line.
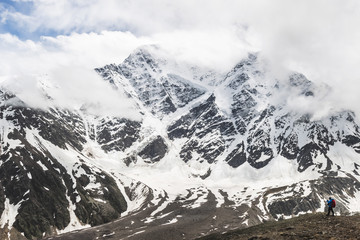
column 65, row 65
column 318, row 38
column 218, row 49
column 140, row 16
column 88, row 50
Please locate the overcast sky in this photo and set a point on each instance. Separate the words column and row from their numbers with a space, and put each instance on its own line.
column 320, row 38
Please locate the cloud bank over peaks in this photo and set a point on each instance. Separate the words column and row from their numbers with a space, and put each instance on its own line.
column 25, row 62
column 73, row 88
column 317, row 38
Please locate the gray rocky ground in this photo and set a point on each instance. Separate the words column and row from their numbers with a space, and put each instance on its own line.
column 309, row 226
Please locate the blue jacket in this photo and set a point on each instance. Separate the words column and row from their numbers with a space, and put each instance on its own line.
column 329, row 202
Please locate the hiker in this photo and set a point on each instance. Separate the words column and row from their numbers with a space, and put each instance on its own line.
column 331, row 205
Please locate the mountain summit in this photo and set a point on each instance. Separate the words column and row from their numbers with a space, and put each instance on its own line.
column 211, row 151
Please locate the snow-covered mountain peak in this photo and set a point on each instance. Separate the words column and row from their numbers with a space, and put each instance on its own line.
column 162, row 85
column 4, row 95
column 8, row 99
column 208, row 142
column 241, row 71
column 146, row 59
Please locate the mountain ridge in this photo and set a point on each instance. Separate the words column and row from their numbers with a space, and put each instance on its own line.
column 221, row 144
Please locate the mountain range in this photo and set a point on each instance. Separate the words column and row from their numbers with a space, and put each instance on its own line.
column 209, row 152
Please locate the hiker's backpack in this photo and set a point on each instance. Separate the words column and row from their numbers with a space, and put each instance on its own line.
column 333, row 203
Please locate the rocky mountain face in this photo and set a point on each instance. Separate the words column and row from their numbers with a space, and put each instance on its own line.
column 211, row 152
column 43, row 187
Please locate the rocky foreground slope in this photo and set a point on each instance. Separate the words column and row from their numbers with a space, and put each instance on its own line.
column 210, row 152
column 309, row 226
